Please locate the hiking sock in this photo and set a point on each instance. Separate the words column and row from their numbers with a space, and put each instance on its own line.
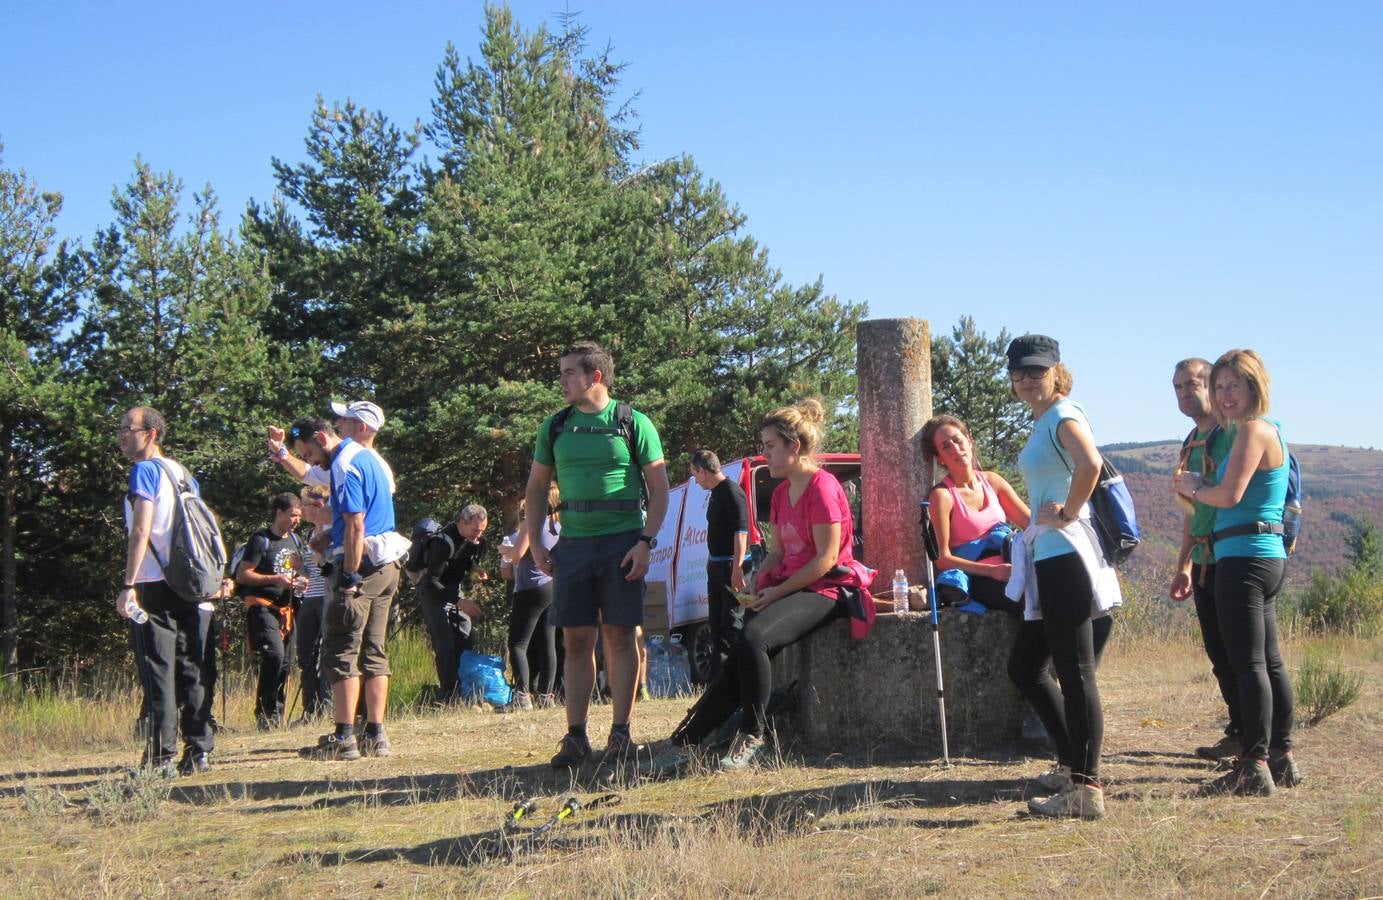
column 344, row 730
column 374, row 729
column 620, row 729
column 578, row 731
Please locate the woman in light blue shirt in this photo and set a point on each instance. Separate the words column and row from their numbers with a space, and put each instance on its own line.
column 1060, row 466
column 1250, row 565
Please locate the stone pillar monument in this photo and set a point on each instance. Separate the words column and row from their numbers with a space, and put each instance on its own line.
column 895, row 394
column 880, row 694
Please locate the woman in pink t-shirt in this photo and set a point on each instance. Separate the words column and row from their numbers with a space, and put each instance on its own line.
column 798, row 588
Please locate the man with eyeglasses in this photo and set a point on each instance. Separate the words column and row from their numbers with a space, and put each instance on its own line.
column 170, row 643
column 1202, row 452
column 365, row 558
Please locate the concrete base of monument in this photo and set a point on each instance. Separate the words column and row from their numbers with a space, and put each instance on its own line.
column 878, row 695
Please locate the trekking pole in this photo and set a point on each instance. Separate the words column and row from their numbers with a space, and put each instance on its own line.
column 932, row 551
column 521, row 810
column 567, row 810
column 225, row 652
column 141, row 658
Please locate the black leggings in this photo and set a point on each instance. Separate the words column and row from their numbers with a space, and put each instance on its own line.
column 779, row 625
column 1246, row 603
column 1072, row 642
column 528, row 613
column 1220, row 665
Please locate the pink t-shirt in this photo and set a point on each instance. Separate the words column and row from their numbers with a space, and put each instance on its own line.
column 822, row 502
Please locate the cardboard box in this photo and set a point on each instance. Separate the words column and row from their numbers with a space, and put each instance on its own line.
column 655, row 616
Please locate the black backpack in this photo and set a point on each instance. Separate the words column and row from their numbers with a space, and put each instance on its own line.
column 423, row 532
column 624, row 426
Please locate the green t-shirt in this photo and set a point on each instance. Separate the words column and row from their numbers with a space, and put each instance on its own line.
column 1203, row 520
column 597, row 467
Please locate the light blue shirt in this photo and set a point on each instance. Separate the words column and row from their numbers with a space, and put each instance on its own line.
column 1047, row 469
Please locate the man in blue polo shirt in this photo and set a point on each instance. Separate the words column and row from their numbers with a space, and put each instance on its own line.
column 365, row 560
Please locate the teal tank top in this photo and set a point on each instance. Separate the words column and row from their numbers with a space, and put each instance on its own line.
column 1047, row 469
column 1263, row 501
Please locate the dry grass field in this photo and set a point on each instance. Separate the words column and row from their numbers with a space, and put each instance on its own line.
column 266, row 823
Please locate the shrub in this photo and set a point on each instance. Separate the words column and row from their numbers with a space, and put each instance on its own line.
column 1324, row 688
column 1350, row 603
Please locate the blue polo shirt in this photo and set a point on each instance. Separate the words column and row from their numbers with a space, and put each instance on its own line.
column 359, row 484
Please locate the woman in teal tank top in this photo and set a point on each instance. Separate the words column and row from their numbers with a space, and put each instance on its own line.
column 1250, row 564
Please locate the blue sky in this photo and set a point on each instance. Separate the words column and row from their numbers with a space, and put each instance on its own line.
column 1142, row 181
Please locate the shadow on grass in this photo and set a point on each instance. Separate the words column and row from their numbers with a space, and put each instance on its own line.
column 757, row 819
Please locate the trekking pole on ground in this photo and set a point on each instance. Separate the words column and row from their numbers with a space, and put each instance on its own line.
column 932, row 551
column 566, row 811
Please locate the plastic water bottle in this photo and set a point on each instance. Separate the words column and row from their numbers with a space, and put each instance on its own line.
column 900, row 591
column 657, row 666
column 135, row 612
column 679, row 668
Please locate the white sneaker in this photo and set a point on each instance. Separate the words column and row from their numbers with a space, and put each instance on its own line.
column 1056, row 779
column 1081, row 801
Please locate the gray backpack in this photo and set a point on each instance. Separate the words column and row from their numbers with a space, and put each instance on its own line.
column 196, row 557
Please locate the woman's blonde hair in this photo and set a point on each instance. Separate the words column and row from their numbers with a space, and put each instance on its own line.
column 1248, row 365
column 800, row 424
column 554, row 497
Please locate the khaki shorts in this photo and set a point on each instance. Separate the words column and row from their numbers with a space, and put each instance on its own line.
column 357, row 625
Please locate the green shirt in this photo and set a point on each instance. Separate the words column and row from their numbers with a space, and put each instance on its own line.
column 597, row 467
column 1203, row 519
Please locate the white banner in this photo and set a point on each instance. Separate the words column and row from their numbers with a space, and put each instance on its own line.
column 689, row 591
column 660, row 563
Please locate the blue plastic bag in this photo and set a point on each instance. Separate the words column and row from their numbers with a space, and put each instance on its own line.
column 482, row 678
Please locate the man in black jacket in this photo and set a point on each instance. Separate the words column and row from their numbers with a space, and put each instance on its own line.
column 268, row 575
column 452, row 557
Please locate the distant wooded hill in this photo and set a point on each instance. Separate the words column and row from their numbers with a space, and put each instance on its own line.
column 1342, row 485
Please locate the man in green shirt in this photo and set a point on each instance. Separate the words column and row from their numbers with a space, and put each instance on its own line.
column 1202, row 452
column 603, row 466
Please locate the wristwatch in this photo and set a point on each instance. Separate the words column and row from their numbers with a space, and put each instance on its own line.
column 1061, row 514
column 650, row 540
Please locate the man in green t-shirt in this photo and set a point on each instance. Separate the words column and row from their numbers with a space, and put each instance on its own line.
column 603, row 467
column 1202, row 452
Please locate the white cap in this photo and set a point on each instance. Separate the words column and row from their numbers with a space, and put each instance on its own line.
column 361, row 410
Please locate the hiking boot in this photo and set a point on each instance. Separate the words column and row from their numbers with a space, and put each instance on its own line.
column 336, row 747
column 520, row 702
column 619, row 747
column 1225, row 747
column 1247, row 778
column 1079, row 801
column 1283, row 768
column 572, row 752
column 194, row 762
column 745, row 750
column 375, row 744
column 545, row 701
column 1056, row 779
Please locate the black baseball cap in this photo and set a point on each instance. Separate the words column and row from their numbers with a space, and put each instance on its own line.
column 1033, row 350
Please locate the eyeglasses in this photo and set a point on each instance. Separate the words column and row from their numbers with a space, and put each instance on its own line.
column 1028, row 373
column 125, row 429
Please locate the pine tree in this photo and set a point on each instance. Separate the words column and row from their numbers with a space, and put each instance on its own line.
column 970, row 381
column 39, row 279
